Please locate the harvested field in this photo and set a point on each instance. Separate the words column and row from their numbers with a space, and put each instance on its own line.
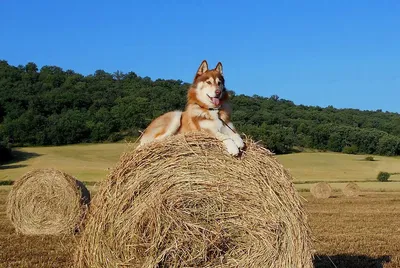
column 358, row 232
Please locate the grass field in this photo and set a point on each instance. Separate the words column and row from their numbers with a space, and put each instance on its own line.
column 357, row 232
column 91, row 162
column 87, row 162
column 338, row 167
column 349, row 232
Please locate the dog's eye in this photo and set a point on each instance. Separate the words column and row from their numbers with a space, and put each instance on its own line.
column 209, row 82
column 219, row 83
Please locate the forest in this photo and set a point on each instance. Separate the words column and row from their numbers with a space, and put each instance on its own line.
column 52, row 106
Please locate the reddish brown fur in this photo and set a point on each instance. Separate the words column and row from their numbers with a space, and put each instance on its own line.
column 191, row 96
column 211, row 73
column 188, row 121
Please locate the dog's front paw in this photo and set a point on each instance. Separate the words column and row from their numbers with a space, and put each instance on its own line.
column 231, row 147
column 238, row 141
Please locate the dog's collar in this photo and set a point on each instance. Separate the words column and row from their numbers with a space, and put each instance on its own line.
column 210, row 109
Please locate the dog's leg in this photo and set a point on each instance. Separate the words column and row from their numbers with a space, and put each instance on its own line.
column 215, row 128
column 230, row 131
column 229, row 143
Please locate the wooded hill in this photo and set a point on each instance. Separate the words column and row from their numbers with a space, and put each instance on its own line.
column 51, row 106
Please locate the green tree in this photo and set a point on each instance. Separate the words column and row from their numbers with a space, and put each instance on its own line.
column 389, row 145
column 53, row 106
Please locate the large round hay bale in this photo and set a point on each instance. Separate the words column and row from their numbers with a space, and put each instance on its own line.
column 184, row 202
column 351, row 190
column 321, row 190
column 47, row 202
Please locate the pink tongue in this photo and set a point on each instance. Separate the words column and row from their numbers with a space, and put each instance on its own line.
column 215, row 101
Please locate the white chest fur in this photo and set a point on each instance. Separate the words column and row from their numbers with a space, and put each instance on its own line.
column 213, row 124
column 214, row 114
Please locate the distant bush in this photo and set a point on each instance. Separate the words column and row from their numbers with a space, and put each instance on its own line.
column 369, row 158
column 350, row 149
column 383, row 176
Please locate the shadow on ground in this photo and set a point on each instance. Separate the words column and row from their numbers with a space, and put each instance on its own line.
column 346, row 261
column 18, row 156
column 22, row 156
column 10, row 166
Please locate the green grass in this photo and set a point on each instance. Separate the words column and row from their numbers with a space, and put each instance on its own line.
column 338, row 167
column 87, row 162
column 92, row 162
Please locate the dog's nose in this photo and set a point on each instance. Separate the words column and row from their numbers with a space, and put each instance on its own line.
column 218, row 92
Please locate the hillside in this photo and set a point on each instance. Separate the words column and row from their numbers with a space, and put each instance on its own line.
column 52, row 106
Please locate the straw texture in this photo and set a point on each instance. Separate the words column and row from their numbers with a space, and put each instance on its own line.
column 47, row 202
column 184, row 202
column 351, row 190
column 321, row 190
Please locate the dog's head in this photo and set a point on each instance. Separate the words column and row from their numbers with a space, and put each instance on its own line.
column 209, row 86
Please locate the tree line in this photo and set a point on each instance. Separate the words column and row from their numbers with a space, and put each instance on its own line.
column 52, row 106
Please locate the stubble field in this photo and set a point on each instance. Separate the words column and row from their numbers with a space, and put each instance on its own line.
column 349, row 232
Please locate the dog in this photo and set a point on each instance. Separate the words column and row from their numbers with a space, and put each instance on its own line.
column 207, row 109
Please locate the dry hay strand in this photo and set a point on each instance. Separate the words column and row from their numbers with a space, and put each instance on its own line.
column 351, row 190
column 47, row 202
column 321, row 190
column 184, row 202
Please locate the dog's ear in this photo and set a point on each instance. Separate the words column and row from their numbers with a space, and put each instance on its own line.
column 219, row 68
column 202, row 68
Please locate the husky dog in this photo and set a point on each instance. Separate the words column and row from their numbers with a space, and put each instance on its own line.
column 206, row 109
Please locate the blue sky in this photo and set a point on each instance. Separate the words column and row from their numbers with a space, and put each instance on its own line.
column 340, row 53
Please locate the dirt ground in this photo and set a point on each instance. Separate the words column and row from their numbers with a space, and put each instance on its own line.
column 349, row 232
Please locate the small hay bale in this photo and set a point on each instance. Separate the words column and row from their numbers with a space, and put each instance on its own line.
column 351, row 190
column 321, row 190
column 184, row 202
column 47, row 202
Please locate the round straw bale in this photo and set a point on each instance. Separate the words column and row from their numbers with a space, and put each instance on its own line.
column 185, row 202
column 321, row 190
column 351, row 189
column 47, row 202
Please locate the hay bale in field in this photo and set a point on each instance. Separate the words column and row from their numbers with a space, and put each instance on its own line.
column 184, row 202
column 351, row 190
column 47, row 202
column 321, row 190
